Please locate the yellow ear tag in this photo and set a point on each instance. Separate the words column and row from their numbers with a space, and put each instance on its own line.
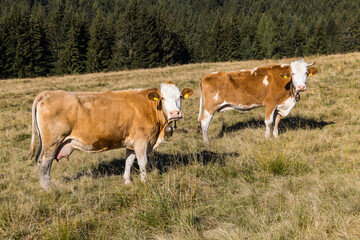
column 186, row 95
column 310, row 74
column 156, row 99
column 285, row 76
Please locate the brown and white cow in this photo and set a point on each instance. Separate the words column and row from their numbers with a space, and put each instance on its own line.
column 134, row 119
column 276, row 87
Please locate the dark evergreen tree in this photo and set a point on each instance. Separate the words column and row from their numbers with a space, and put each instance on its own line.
column 137, row 43
column 56, row 32
column 266, row 37
column 215, row 44
column 173, row 49
column 350, row 35
column 72, row 58
column 283, row 48
column 99, row 53
column 317, row 42
column 127, row 34
column 3, row 34
column 22, row 48
column 39, row 60
column 232, row 40
column 297, row 39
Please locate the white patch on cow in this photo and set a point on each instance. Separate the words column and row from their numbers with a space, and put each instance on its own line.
column 285, row 108
column 265, row 81
column 216, row 97
column 171, row 98
column 158, row 142
column 205, row 122
column 225, row 106
column 284, row 65
column 129, row 142
column 215, row 72
column 299, row 73
column 253, row 70
column 268, row 122
column 38, row 121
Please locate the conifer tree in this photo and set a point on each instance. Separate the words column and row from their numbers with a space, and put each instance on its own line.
column 137, row 43
column 266, row 36
column 297, row 39
column 22, row 48
column 282, row 38
column 215, row 43
column 317, row 39
column 124, row 51
column 3, row 34
column 72, row 58
column 39, row 47
column 232, row 41
column 100, row 45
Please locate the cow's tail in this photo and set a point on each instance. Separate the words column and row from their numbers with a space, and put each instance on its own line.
column 33, row 128
column 200, row 109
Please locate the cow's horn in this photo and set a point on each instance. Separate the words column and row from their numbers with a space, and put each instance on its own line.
column 311, row 63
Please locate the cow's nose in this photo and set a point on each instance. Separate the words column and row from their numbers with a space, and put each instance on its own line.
column 301, row 87
column 175, row 114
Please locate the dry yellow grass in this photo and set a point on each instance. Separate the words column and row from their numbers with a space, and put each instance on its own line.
column 304, row 185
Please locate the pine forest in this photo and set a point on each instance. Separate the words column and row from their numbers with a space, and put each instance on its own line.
column 58, row 37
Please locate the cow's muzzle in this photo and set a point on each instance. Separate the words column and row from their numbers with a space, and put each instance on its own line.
column 301, row 88
column 175, row 115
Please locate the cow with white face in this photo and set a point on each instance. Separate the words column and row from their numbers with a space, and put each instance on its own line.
column 299, row 74
column 135, row 119
column 276, row 87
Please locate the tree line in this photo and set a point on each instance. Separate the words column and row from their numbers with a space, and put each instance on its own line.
column 47, row 37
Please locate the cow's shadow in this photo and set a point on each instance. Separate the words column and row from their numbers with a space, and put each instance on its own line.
column 160, row 161
column 290, row 123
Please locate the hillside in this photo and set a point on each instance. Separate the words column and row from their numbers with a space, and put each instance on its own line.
column 303, row 185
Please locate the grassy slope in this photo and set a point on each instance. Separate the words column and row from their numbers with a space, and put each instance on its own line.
column 304, row 185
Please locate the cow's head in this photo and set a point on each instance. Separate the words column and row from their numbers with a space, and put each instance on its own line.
column 300, row 70
column 171, row 99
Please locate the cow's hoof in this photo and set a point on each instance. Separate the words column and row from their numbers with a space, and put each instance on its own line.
column 46, row 186
column 127, row 182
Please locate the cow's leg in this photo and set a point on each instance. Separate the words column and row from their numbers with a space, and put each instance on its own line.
column 276, row 126
column 44, row 163
column 140, row 152
column 269, row 118
column 205, row 122
column 130, row 157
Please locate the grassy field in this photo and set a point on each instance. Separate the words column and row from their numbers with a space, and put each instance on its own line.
column 303, row 185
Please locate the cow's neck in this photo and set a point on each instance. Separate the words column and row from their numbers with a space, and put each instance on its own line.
column 161, row 117
column 293, row 93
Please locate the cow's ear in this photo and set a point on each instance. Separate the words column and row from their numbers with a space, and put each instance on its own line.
column 285, row 74
column 312, row 71
column 187, row 92
column 153, row 96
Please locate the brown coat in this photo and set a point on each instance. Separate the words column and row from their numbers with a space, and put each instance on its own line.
column 93, row 122
column 244, row 90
